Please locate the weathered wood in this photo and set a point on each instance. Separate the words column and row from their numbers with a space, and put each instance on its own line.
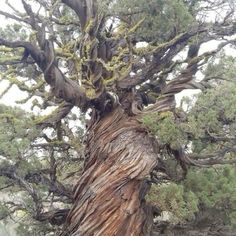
column 109, row 195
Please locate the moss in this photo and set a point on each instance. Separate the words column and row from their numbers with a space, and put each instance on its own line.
column 90, row 93
column 23, row 87
column 136, row 26
column 33, row 36
column 143, row 50
column 63, row 53
column 125, row 71
column 41, row 119
column 150, row 49
column 110, row 81
column 121, row 30
column 35, row 103
column 89, row 47
column 7, row 116
column 118, row 75
column 5, row 49
column 89, row 26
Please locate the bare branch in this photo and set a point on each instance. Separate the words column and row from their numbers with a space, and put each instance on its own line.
column 16, row 18
column 57, row 115
column 33, row 50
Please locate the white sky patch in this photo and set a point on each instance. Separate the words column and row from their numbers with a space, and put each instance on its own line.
column 185, row 93
column 4, row 7
column 141, row 44
column 13, row 95
column 209, row 46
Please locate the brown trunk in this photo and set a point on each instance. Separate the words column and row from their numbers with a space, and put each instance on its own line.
column 109, row 197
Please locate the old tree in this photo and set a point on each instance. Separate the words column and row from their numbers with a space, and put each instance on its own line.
column 121, row 63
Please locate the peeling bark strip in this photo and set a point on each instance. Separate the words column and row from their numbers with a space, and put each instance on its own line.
column 109, row 196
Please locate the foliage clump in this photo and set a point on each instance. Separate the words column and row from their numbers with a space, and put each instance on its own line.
column 162, row 19
column 204, row 193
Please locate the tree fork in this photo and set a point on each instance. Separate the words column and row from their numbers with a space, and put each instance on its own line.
column 109, row 197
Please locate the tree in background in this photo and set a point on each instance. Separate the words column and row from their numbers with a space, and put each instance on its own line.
column 204, row 200
column 121, row 63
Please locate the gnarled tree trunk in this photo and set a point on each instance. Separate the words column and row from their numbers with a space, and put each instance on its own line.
column 109, row 197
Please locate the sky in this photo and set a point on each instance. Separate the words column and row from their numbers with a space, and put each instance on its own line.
column 15, row 94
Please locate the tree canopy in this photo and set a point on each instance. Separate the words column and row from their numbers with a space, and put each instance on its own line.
column 107, row 73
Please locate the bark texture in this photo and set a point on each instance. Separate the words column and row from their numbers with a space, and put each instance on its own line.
column 109, row 197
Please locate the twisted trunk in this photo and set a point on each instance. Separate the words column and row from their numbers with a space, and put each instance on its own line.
column 109, row 197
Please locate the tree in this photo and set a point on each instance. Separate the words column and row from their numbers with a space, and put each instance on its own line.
column 205, row 198
column 117, row 61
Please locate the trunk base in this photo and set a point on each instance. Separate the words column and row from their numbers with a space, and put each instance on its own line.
column 109, row 197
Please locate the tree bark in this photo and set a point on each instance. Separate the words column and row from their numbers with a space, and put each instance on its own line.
column 109, row 197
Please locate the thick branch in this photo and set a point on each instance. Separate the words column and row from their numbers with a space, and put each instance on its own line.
column 85, row 9
column 61, row 86
column 36, row 54
column 207, row 160
column 55, row 217
column 61, row 112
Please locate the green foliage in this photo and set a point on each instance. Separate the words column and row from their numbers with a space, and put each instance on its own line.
column 172, row 198
column 163, row 18
column 215, row 189
column 208, row 127
column 213, row 115
column 11, row 30
column 202, row 190
column 27, row 178
column 16, row 133
column 163, row 126
column 224, row 67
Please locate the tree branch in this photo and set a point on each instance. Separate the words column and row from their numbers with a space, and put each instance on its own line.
column 36, row 54
column 61, row 86
column 13, row 17
column 85, row 9
column 61, row 112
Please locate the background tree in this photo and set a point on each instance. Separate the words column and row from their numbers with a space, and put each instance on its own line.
column 121, row 62
column 205, row 200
